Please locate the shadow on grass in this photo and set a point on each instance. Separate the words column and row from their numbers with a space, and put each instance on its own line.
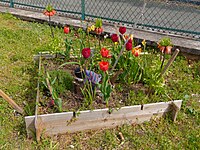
column 30, row 94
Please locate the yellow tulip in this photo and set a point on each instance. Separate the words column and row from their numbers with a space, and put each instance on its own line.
column 144, row 42
column 93, row 27
column 131, row 36
column 88, row 29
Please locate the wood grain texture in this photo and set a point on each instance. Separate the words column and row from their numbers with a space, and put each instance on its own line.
column 38, row 124
column 60, row 123
column 11, row 102
column 174, row 110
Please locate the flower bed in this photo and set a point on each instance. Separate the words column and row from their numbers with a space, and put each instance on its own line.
column 47, row 123
column 96, row 76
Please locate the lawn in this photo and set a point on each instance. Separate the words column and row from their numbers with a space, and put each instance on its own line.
column 20, row 40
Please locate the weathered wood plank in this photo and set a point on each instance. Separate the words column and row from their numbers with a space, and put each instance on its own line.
column 47, row 56
column 60, row 123
column 11, row 102
column 99, row 124
column 161, row 106
column 175, row 110
column 38, row 123
column 30, row 126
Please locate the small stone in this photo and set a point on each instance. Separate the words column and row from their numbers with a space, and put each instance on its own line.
column 71, row 146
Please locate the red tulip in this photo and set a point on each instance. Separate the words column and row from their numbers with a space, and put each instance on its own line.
column 129, row 46
column 105, row 53
column 130, row 41
column 99, row 30
column 66, row 30
column 104, row 65
column 114, row 38
column 122, row 30
column 86, row 52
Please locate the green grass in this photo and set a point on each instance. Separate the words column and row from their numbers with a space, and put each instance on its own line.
column 20, row 40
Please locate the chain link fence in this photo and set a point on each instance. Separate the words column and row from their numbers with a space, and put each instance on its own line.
column 172, row 16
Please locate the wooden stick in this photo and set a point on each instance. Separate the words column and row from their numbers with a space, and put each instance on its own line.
column 112, row 80
column 11, row 102
column 38, row 123
column 170, row 61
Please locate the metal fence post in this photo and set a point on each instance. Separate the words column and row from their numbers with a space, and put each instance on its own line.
column 83, row 9
column 11, row 3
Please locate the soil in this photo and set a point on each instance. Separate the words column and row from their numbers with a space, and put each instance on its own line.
column 73, row 100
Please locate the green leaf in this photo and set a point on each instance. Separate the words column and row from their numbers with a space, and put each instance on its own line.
column 49, row 8
column 69, row 63
column 166, row 41
column 58, row 102
column 48, row 76
column 45, row 84
column 54, row 94
column 98, row 23
column 53, row 81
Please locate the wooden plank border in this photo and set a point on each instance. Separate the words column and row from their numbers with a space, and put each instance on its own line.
column 67, row 122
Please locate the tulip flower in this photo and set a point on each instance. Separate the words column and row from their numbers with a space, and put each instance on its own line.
column 114, row 38
column 129, row 46
column 130, row 40
column 136, row 51
column 105, row 53
column 122, row 30
column 86, row 52
column 92, row 27
column 144, row 42
column 99, row 30
column 104, row 65
column 66, row 30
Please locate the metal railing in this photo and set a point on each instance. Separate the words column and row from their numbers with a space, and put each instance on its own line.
column 174, row 16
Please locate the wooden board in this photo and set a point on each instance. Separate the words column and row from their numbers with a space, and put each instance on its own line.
column 47, row 55
column 60, row 123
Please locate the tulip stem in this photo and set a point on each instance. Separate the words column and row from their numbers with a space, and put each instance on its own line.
column 52, row 34
column 99, row 42
column 88, row 37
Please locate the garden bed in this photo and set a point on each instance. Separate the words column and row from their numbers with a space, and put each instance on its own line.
column 77, row 118
column 94, row 78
